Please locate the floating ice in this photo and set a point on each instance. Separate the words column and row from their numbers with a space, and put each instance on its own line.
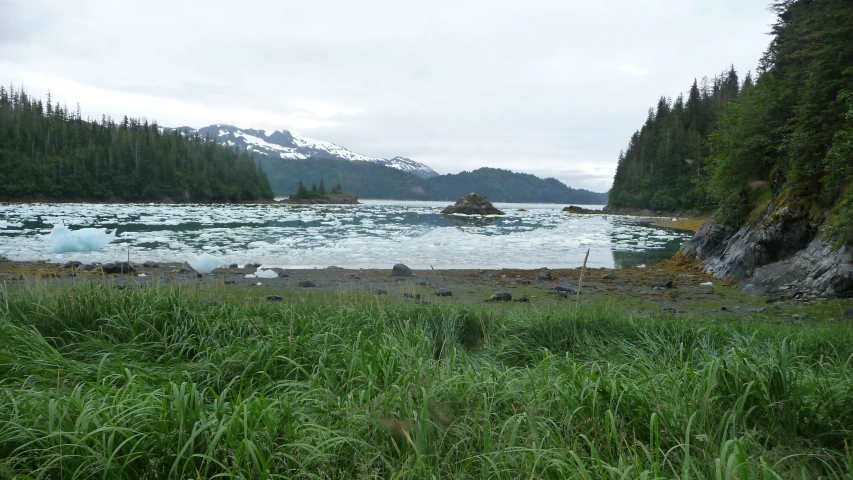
column 62, row 240
column 304, row 236
column 204, row 263
column 707, row 284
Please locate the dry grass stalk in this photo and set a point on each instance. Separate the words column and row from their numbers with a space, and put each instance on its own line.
column 580, row 281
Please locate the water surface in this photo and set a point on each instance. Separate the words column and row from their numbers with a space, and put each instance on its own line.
column 376, row 234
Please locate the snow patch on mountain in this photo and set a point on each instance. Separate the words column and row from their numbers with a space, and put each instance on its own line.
column 284, row 144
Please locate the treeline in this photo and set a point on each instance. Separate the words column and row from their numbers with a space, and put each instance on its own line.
column 665, row 164
column 305, row 193
column 48, row 151
column 500, row 185
column 371, row 180
column 786, row 135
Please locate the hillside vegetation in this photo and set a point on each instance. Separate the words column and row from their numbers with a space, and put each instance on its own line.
column 732, row 147
column 370, row 180
column 47, row 151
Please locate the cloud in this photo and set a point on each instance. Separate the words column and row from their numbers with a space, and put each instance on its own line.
column 456, row 85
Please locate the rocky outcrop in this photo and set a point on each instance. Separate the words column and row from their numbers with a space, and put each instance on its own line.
column 472, row 204
column 816, row 271
column 576, row 209
column 777, row 254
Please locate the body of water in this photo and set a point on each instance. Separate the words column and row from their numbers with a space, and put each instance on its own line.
column 375, row 234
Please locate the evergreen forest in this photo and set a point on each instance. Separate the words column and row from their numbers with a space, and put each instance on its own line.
column 50, row 152
column 733, row 146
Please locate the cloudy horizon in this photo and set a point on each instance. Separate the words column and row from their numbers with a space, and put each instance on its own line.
column 554, row 89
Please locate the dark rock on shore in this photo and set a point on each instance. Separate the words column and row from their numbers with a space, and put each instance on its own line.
column 307, row 284
column 472, row 204
column 667, row 284
column 117, row 267
column 151, row 264
column 544, row 275
column 280, row 272
column 380, row 291
column 608, row 276
column 400, row 270
column 500, row 297
column 274, row 298
column 72, row 264
column 443, row 292
column 560, row 288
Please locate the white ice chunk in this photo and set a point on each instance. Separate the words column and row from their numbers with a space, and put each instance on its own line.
column 62, row 240
column 204, row 263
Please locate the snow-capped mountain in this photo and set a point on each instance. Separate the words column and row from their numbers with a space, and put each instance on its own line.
column 283, row 144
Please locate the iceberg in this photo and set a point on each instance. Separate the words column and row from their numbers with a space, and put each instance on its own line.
column 61, row 239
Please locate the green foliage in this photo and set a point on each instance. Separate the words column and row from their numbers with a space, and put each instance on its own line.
column 161, row 383
column 663, row 167
column 48, row 152
column 794, row 130
column 303, row 193
column 790, row 131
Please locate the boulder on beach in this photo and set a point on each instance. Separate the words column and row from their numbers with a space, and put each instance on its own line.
column 472, row 204
column 401, row 270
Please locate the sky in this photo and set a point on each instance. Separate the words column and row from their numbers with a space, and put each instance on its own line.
column 549, row 87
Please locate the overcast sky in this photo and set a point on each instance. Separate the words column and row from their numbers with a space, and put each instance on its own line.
column 549, row 87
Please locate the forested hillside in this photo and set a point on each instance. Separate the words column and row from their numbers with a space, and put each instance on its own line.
column 371, row 180
column 792, row 134
column 786, row 136
column 364, row 179
column 48, row 151
column 505, row 186
column 665, row 164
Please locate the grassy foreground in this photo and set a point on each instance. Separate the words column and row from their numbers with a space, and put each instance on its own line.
column 162, row 383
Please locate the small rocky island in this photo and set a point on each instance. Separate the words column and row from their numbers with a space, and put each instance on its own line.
column 472, row 204
column 576, row 209
column 319, row 195
column 328, row 199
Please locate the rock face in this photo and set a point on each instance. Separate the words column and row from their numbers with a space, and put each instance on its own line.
column 815, row 271
column 776, row 254
column 472, row 204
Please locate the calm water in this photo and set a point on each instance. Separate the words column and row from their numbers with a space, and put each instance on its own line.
column 376, row 234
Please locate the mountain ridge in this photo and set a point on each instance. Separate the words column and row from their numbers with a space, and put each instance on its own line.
column 284, row 144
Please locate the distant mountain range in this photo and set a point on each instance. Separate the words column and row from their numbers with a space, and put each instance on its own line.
column 288, row 158
column 286, row 145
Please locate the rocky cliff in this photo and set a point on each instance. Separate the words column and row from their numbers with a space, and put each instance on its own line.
column 779, row 253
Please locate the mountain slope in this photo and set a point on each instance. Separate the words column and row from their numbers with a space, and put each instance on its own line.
column 286, row 145
column 505, row 186
column 371, row 180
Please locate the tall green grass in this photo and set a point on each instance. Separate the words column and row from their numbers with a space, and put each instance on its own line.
column 164, row 383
